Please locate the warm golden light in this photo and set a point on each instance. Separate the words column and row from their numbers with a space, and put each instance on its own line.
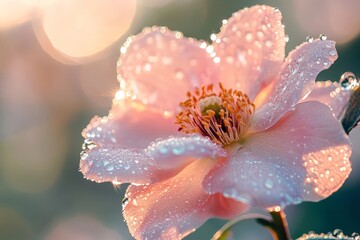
column 78, row 29
column 14, row 12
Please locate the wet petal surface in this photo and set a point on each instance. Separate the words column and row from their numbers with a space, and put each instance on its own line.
column 161, row 160
column 305, row 156
column 130, row 126
column 296, row 80
column 251, row 47
column 174, row 208
column 159, row 66
column 331, row 94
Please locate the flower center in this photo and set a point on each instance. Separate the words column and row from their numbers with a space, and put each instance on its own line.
column 224, row 117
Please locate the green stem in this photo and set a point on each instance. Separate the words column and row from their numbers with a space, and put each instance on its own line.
column 276, row 224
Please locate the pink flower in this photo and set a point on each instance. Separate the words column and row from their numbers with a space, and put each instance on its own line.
column 260, row 145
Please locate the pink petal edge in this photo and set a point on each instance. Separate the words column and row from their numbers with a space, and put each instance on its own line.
column 303, row 157
column 295, row 82
column 161, row 160
column 331, row 94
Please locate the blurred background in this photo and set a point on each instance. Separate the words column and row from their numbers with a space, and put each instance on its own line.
column 58, row 70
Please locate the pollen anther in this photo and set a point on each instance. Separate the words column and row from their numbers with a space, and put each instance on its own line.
column 224, row 117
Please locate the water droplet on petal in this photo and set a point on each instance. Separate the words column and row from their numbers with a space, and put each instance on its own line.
column 213, row 37
column 323, row 37
column 249, row 37
column 348, row 81
column 88, row 145
column 332, row 53
column 179, row 74
column 286, row 38
column 309, row 39
column 178, row 150
column 125, row 201
column 110, row 167
column 269, row 183
column 83, row 155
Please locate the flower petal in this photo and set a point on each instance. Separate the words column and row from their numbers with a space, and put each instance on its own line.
column 175, row 151
column 130, row 126
column 297, row 79
column 331, row 94
column 161, row 160
column 251, row 46
column 108, row 163
column 160, row 66
column 174, row 208
column 304, row 156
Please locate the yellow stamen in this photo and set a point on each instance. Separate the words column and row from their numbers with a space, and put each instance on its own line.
column 224, row 117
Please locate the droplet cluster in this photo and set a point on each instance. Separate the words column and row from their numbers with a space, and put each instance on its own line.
column 297, row 79
column 337, row 234
column 158, row 65
column 117, row 165
column 326, row 170
column 252, row 40
column 190, row 145
column 101, row 130
column 331, row 94
column 169, row 209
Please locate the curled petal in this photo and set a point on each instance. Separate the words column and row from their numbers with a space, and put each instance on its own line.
column 174, row 208
column 118, row 165
column 176, row 151
column 251, row 46
column 160, row 66
column 161, row 160
column 304, row 156
column 296, row 80
column 331, row 94
column 129, row 126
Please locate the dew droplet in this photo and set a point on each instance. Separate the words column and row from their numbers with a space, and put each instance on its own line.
column 323, row 37
column 249, row 37
column 276, row 10
column 88, row 145
column 179, row 74
column 309, row 39
column 83, row 155
column 269, row 183
column 348, row 81
column 125, row 201
column 178, row 150
column 286, row 38
column 337, row 232
column 355, row 235
column 332, row 53
column 213, row 37
column 147, row 67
